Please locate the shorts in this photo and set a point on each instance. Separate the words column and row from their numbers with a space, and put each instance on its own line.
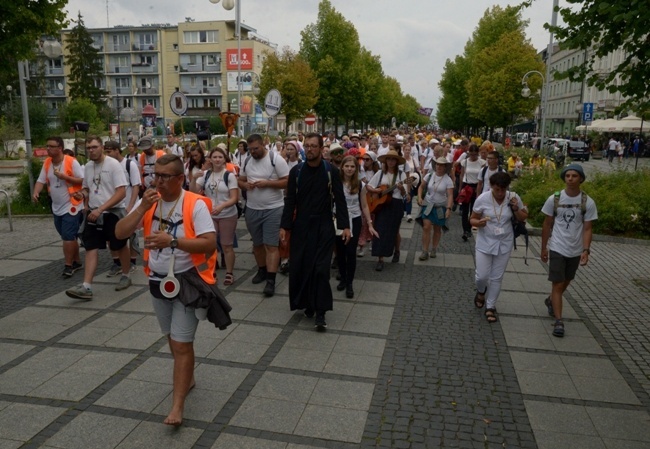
column 95, row 238
column 225, row 228
column 67, row 226
column 175, row 320
column 560, row 268
column 264, row 226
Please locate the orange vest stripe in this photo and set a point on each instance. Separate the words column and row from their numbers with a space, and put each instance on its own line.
column 204, row 263
column 159, row 154
column 68, row 170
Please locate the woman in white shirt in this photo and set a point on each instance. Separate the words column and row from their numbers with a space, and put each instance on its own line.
column 291, row 154
column 436, row 197
column 470, row 169
column 220, row 186
column 355, row 197
column 414, row 165
column 389, row 216
column 492, row 215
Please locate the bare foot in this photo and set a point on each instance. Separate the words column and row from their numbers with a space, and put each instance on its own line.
column 174, row 418
column 192, row 385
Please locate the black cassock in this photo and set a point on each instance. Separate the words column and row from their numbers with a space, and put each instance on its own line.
column 312, row 233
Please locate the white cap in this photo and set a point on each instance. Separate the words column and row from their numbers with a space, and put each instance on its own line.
column 434, row 142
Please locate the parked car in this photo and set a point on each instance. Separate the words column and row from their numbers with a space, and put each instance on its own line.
column 577, row 150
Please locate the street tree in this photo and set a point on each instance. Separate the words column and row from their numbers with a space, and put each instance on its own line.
column 85, row 66
column 453, row 110
column 291, row 75
column 603, row 26
column 22, row 24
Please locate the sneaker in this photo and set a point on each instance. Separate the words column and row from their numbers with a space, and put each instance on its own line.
column 123, row 284
column 424, row 256
column 433, row 254
column 115, row 270
column 67, row 271
column 80, row 292
column 395, row 258
column 76, row 266
column 349, row 291
column 309, row 313
column 361, row 251
column 409, row 219
column 284, row 268
column 320, row 323
column 341, row 286
column 465, row 236
column 379, row 266
column 549, row 306
column 558, row 329
column 269, row 289
column 133, row 268
column 260, row 276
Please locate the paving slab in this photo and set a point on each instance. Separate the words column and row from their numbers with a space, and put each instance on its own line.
column 135, row 395
column 11, row 351
column 10, row 267
column 93, row 430
column 104, row 296
column 273, row 415
column 332, row 423
column 149, row 435
column 229, row 441
column 22, row 422
column 47, row 253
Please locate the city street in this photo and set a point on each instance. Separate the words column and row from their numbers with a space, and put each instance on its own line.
column 409, row 362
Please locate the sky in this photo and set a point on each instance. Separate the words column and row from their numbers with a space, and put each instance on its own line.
column 414, row 38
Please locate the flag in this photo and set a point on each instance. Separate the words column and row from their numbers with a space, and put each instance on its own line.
column 425, row 111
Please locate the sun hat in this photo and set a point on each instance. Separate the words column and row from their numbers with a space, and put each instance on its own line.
column 392, row 154
column 335, row 148
column 145, row 143
column 416, row 179
column 441, row 161
column 434, row 142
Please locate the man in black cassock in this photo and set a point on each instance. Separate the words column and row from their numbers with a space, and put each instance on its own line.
column 312, row 187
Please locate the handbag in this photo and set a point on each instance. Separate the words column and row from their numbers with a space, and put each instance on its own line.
column 519, row 228
column 465, row 195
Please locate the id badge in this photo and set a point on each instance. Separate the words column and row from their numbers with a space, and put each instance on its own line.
column 498, row 231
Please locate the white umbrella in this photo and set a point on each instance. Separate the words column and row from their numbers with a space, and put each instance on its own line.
column 594, row 126
column 609, row 125
column 630, row 124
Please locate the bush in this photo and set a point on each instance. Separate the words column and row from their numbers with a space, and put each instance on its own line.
column 22, row 203
column 622, row 199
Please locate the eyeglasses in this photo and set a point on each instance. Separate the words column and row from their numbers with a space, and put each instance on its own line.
column 164, row 177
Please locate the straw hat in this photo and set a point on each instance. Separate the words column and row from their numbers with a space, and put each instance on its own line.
column 442, row 161
column 335, row 148
column 394, row 154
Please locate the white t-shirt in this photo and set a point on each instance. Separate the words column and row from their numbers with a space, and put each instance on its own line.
column 437, row 188
column 175, row 149
column 262, row 170
column 59, row 188
column 291, row 164
column 566, row 237
column 148, row 168
column 413, row 163
column 497, row 236
column 387, row 180
column 238, row 158
column 383, row 150
column 133, row 177
column 217, row 190
column 352, row 200
column 486, row 178
column 102, row 179
column 428, row 155
column 472, row 170
column 159, row 259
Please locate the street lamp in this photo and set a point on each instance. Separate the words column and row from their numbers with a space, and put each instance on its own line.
column 525, row 92
column 11, row 95
column 228, row 5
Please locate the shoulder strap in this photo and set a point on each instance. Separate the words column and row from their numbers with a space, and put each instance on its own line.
column 300, row 165
column 583, row 205
column 226, row 173
column 248, row 158
column 128, row 170
column 483, row 172
column 556, row 202
column 206, row 178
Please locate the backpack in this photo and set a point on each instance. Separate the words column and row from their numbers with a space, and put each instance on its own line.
column 583, row 204
column 484, row 171
column 519, row 228
column 128, row 171
column 226, row 175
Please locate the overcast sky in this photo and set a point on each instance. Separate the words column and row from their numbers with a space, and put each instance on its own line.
column 413, row 37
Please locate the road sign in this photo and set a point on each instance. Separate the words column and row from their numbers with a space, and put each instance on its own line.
column 273, row 102
column 587, row 112
column 178, row 103
column 310, row 119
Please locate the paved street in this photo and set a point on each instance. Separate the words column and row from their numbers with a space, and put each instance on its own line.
column 408, row 363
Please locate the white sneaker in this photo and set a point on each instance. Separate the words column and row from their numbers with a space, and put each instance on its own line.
column 409, row 219
column 361, row 251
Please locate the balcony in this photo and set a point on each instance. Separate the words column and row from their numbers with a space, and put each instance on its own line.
column 56, row 92
column 118, row 48
column 145, row 47
column 119, row 69
column 54, row 71
column 122, row 90
column 98, row 47
column 139, row 67
column 201, row 90
column 147, row 91
column 194, row 68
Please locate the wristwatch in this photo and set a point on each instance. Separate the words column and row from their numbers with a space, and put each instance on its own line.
column 174, row 243
column 586, row 250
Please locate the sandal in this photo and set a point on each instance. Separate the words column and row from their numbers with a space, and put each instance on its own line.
column 229, row 279
column 479, row 302
column 491, row 315
column 558, row 329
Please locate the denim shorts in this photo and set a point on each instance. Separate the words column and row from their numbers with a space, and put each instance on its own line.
column 67, row 226
column 175, row 320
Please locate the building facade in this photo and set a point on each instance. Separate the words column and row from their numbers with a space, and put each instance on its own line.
column 144, row 65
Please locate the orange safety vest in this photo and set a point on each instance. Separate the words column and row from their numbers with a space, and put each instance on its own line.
column 204, row 263
column 159, row 154
column 68, row 170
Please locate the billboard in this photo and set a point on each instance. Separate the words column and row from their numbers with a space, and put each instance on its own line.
column 246, row 59
column 246, row 81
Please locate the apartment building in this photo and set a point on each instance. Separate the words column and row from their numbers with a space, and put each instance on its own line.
column 144, row 65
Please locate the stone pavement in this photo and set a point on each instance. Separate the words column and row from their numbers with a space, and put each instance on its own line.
column 408, row 363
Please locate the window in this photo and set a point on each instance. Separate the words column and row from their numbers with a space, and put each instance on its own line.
column 192, row 60
column 209, row 102
column 122, row 61
column 193, row 81
column 146, row 38
column 55, row 63
column 152, row 101
column 99, row 83
column 146, row 60
column 122, row 82
column 54, row 105
column 200, row 37
column 211, row 60
column 210, row 81
column 120, row 39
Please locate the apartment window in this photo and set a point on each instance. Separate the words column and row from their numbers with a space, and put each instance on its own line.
column 54, row 105
column 200, row 37
column 122, row 82
column 193, row 60
column 146, row 60
column 99, row 83
column 122, row 61
column 210, row 81
column 55, row 63
column 146, row 38
column 120, row 39
column 152, row 101
column 209, row 102
column 193, row 81
column 211, row 60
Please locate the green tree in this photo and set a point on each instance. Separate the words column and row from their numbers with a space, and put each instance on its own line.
column 453, row 110
column 22, row 23
column 603, row 26
column 329, row 46
column 84, row 62
column 291, row 75
column 494, row 85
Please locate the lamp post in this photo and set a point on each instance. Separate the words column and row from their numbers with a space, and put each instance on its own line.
column 228, row 5
column 525, row 92
column 10, row 91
